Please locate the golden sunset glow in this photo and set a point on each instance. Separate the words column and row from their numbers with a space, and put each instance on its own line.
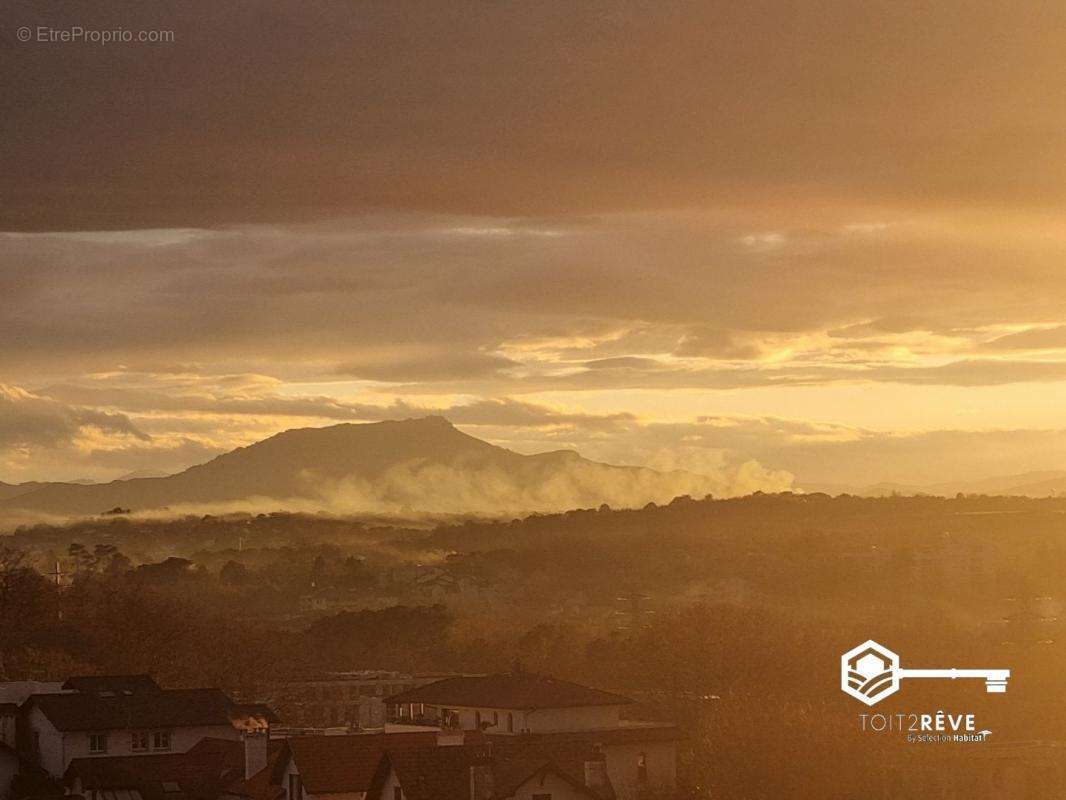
column 695, row 233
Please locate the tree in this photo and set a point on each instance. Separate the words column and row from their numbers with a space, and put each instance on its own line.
column 233, row 573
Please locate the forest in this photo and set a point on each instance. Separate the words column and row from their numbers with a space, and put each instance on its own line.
column 728, row 616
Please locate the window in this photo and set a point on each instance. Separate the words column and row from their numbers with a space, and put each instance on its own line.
column 161, row 740
column 97, row 742
column 495, row 718
column 139, row 741
column 510, row 723
column 477, row 720
column 397, row 793
column 642, row 768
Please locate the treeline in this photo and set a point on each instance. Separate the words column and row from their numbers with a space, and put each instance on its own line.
column 728, row 615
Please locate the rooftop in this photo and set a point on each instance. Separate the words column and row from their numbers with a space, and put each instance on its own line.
column 200, row 774
column 174, row 708
column 511, row 691
column 443, row 773
column 330, row 764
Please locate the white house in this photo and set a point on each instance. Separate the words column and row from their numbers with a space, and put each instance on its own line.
column 515, row 703
column 522, row 710
column 125, row 716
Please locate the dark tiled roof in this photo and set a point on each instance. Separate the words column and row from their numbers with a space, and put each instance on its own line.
column 510, row 773
column 568, row 752
column 347, row 763
column 433, row 773
column 167, row 708
column 200, row 774
column 443, row 773
column 515, row 691
column 118, row 684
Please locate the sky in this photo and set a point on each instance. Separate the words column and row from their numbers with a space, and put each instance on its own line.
column 806, row 243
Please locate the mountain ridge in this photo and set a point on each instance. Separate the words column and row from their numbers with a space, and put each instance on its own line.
column 423, row 464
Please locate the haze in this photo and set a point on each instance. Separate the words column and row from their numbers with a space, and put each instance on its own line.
column 814, row 240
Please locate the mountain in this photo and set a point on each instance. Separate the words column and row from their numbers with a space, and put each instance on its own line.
column 10, row 490
column 420, row 465
column 143, row 473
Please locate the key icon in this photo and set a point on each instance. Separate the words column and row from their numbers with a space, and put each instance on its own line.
column 871, row 672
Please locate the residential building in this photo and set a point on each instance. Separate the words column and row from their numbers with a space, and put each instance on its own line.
column 347, row 700
column 338, row 767
column 207, row 771
column 514, row 703
column 430, row 765
column 475, row 772
column 127, row 716
column 521, row 710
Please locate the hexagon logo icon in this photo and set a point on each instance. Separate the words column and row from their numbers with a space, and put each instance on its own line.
column 869, row 672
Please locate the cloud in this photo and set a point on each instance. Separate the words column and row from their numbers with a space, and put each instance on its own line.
column 878, row 327
column 202, row 397
column 545, row 108
column 826, row 453
column 1034, row 339
column 429, row 367
column 625, row 364
column 404, row 300
column 30, row 421
column 717, row 343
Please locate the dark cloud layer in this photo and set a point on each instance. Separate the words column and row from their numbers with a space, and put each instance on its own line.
column 295, row 108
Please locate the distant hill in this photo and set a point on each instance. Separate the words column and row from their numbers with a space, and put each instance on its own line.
column 10, row 490
column 420, row 465
column 143, row 473
column 1049, row 483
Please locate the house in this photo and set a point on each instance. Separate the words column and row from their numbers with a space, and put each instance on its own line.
column 338, row 767
column 353, row 700
column 98, row 717
column 512, row 703
column 205, row 772
column 474, row 772
column 429, row 765
column 553, row 717
column 638, row 760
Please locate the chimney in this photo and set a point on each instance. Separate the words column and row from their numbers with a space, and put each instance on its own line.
column 256, row 744
column 482, row 785
column 596, row 774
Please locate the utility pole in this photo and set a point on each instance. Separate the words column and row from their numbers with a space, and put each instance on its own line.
column 57, row 575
